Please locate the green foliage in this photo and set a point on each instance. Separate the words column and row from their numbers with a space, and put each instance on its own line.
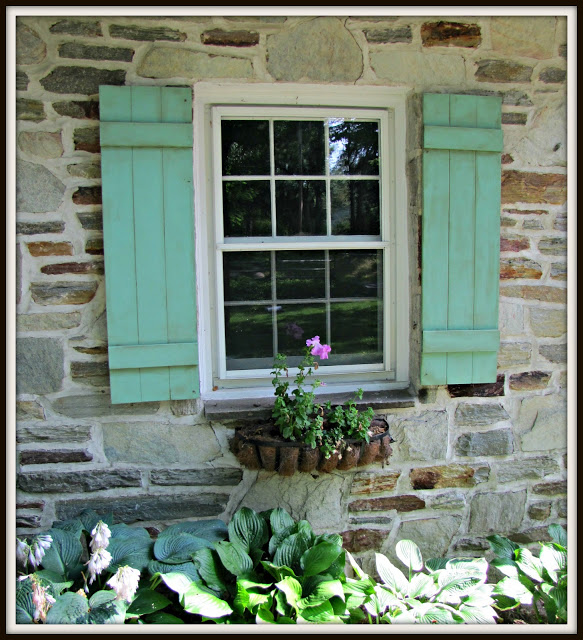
column 529, row 580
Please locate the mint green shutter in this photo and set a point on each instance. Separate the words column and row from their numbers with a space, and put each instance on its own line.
column 460, row 238
column 148, row 229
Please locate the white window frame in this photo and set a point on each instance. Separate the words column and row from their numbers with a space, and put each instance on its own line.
column 387, row 104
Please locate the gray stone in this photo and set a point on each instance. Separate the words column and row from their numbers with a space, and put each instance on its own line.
column 94, row 373
column 379, row 520
column 471, row 544
column 316, row 499
column 499, row 513
column 63, row 292
column 21, row 81
column 55, row 456
column 533, row 224
column 553, row 246
column 39, row 365
column 433, row 536
column 77, row 27
column 560, row 223
column 221, row 38
column 166, row 62
column 562, row 509
column 514, row 118
column 539, row 534
column 90, row 171
column 554, row 352
column 450, row 500
column 146, row 34
column 28, row 521
column 552, row 75
column 29, row 410
column 539, row 510
column 550, row 488
column 147, row 508
column 41, row 144
column 77, row 481
column 530, row 380
column 502, row 71
column 47, row 321
column 197, row 477
column 511, row 319
column 320, row 50
column 33, row 110
column 36, row 228
column 87, row 139
column 420, row 68
column 185, row 407
column 37, row 189
column 559, row 271
column 391, row 35
column 513, row 353
column 85, row 80
column 53, row 433
column 81, row 109
column 474, row 415
column 30, row 48
column 420, row 437
column 527, row 469
column 543, row 423
column 517, row 99
column 98, row 405
column 87, row 52
column 488, row 443
column 155, row 445
column 548, row 323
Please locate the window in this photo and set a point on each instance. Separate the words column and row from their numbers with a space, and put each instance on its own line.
column 302, row 226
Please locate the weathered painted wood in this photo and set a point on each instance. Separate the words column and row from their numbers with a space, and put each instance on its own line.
column 457, row 340
column 463, row 139
column 143, row 134
column 153, row 355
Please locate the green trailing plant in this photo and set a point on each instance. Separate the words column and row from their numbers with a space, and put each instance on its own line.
column 300, row 418
column 436, row 591
column 530, row 580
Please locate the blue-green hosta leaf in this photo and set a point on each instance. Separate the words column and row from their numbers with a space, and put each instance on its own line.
column 280, row 520
column 390, row 575
column 477, row 615
column 123, row 531
column 211, row 530
column 513, row 588
column 409, row 554
column 502, row 547
column 290, row 551
column 529, row 565
column 147, row 601
column 70, row 608
column 558, row 534
column 278, row 572
column 74, row 526
column 306, row 532
column 90, row 518
column 277, row 538
column 508, row 567
column 292, row 590
column 55, row 582
column 209, row 567
column 325, row 590
column 64, row 554
column 248, row 529
column 161, row 617
column 178, row 548
column 105, row 609
column 435, row 564
column 234, row 557
column 188, row 569
column 422, row 586
column 133, row 552
column 317, row 559
column 197, row 600
column 24, row 605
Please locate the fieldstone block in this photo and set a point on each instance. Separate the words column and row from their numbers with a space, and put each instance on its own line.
column 89, row 370
column 543, row 422
column 85, row 80
column 560, row 223
column 522, row 186
column 533, row 224
column 87, row 139
column 29, row 410
column 527, row 212
column 561, row 508
column 222, row 38
column 144, row 508
column 485, row 390
column 21, row 81
column 53, row 434
column 539, row 510
column 80, row 109
column 513, row 353
column 554, row 352
column 37, row 189
column 417, row 67
column 377, row 520
column 98, row 350
column 18, row 273
column 487, row 443
column 197, row 477
column 365, row 483
column 559, row 271
column 44, row 248
column 77, row 28
column 166, row 62
column 530, row 380
column 529, row 37
column 542, row 293
column 320, row 50
column 30, row 47
column 453, row 499
column 30, row 505
column 94, row 246
column 33, row 110
column 87, row 195
column 55, row 456
column 77, row 481
column 514, row 118
column 37, row 228
column 27, row 521
column 400, row 503
column 471, row 544
column 539, row 534
column 41, row 144
column 433, row 536
column 479, row 414
column 518, row 268
column 98, row 405
column 421, row 437
column 39, row 365
column 511, row 318
column 146, row 34
column 450, row 34
column 502, row 71
column 91, row 220
column 95, row 267
column 47, row 321
column 516, row 98
column 63, row 292
column 144, row 443
column 357, row 540
column 548, row 323
column 90, row 171
column 514, row 243
column 88, row 52
column 440, row 477
column 499, row 513
column 553, row 75
column 553, row 246
column 389, row 36
column 527, row 469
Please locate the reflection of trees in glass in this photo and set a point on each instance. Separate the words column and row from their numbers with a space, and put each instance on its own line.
column 300, row 208
column 354, row 147
column 300, row 274
column 248, row 332
column 356, row 327
column 355, row 273
column 298, row 147
column 355, row 207
column 310, row 317
column 247, row 276
column 246, row 208
column 245, row 147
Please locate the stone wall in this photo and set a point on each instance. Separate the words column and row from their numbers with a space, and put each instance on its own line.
column 469, row 460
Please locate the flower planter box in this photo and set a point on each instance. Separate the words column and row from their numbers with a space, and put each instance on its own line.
column 262, row 447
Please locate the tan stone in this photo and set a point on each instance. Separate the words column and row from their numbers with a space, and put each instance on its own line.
column 511, row 319
column 421, row 68
column 548, row 323
column 50, row 249
column 29, row 410
column 41, row 144
column 513, row 353
column 518, row 268
column 522, row 186
column 531, row 37
column 542, row 293
column 367, row 483
column 439, row 477
column 543, row 422
column 47, row 321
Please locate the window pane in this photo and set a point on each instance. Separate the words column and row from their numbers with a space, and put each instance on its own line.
column 247, row 276
column 300, row 207
column 245, row 147
column 295, row 324
column 299, row 148
column 355, row 207
column 248, row 336
column 357, row 333
column 246, row 208
column 300, row 275
column 356, row 274
column 354, row 147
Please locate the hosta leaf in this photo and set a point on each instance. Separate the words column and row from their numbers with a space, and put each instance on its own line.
column 134, row 552
column 306, row 532
column 278, row 572
column 177, row 582
column 319, row 558
column 123, row 531
column 434, row 615
column 264, row 617
column 435, row 564
column 468, row 566
column 513, row 588
column 161, row 617
column 292, row 590
column 196, row 600
column 409, row 554
column 24, row 605
column 321, row 613
column 248, row 529
column 211, row 530
column 529, row 565
column 477, row 615
column 453, row 588
column 179, row 547
column 234, row 557
column 508, row 567
column 357, row 570
column 209, row 567
column 64, row 554
column 390, row 575
column 333, row 538
column 90, row 518
column 422, row 585
column 245, row 600
column 504, row 603
column 147, row 601
column 280, row 520
column 502, row 547
column 105, row 609
column 552, row 559
column 74, row 526
column 277, row 538
column 401, row 617
column 70, row 608
column 56, row 583
column 386, row 599
column 325, row 590
column 188, row 569
column 359, row 587
column 290, row 551
column 558, row 534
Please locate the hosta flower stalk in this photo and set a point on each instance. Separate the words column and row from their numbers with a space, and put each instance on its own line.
column 125, row 583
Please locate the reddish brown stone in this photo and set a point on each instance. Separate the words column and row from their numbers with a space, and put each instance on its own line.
column 94, row 246
column 30, row 505
column 400, row 503
column 450, row 34
column 521, row 186
column 50, row 249
column 518, row 268
column 222, row 38
column 529, row 380
column 363, row 539
column 507, row 158
column 485, row 390
column 527, row 212
column 87, row 195
column 92, row 351
column 439, row 477
column 514, row 243
column 531, row 292
column 55, row 456
column 73, row 267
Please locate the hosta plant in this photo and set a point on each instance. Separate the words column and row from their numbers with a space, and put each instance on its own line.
column 437, row 591
column 531, row 580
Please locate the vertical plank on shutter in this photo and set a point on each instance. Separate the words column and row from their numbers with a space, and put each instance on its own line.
column 118, row 230
column 435, row 223
column 488, row 197
column 461, row 238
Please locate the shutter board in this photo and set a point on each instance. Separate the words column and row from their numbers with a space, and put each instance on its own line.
column 460, row 239
column 149, row 242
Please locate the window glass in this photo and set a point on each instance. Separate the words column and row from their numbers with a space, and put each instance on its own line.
column 245, row 147
column 299, row 147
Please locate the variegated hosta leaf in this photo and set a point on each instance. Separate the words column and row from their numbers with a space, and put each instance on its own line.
column 409, row 554
column 503, row 547
column 357, row 570
column 529, row 565
column 558, row 534
column 508, row 567
column 452, row 589
column 435, row 564
column 477, row 615
column 513, row 588
column 422, row 586
column 468, row 566
column 390, row 575
column 553, row 560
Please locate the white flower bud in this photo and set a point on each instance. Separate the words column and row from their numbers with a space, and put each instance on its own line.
column 101, row 535
column 99, row 561
column 22, row 551
column 125, row 583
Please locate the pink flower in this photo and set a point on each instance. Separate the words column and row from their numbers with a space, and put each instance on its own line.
column 320, row 350
column 312, row 342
